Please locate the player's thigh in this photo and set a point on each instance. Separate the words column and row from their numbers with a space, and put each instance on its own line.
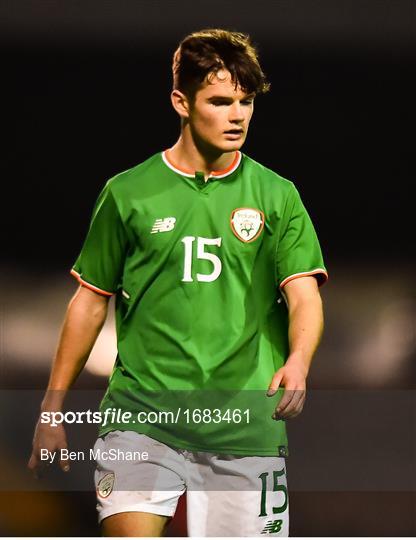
column 242, row 496
column 136, row 524
column 136, row 487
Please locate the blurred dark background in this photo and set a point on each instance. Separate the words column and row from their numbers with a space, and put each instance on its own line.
column 85, row 94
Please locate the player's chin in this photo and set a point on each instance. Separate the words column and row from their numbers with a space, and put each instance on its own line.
column 232, row 146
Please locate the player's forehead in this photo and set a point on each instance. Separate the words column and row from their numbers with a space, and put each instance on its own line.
column 220, row 84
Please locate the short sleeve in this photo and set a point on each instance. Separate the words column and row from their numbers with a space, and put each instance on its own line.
column 298, row 252
column 100, row 264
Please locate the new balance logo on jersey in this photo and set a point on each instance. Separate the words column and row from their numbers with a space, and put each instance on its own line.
column 163, row 225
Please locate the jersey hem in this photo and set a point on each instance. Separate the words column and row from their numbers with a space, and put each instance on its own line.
column 317, row 271
column 90, row 286
column 182, row 445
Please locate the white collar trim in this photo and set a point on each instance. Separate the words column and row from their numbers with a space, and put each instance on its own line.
column 212, row 174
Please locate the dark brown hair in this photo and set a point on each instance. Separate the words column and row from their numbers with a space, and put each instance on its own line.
column 208, row 51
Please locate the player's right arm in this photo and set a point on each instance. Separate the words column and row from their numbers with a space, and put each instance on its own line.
column 85, row 316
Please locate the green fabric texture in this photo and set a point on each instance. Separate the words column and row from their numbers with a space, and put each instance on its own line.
column 201, row 322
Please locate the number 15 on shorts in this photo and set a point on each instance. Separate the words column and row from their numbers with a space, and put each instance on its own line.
column 278, row 487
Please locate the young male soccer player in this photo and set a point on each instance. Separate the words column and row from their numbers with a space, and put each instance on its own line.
column 215, row 266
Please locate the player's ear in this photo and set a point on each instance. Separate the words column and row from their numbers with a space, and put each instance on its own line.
column 180, row 103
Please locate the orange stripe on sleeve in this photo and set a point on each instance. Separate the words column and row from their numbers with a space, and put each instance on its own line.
column 88, row 285
column 303, row 274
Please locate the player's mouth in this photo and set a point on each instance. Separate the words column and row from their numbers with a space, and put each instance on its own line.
column 234, row 134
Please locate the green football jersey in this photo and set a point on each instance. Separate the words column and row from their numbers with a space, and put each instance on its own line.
column 202, row 325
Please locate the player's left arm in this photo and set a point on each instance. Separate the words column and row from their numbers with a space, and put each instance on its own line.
column 305, row 330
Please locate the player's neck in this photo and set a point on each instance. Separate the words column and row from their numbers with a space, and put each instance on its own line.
column 187, row 156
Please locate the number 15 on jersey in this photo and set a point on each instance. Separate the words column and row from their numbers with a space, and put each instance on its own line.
column 201, row 243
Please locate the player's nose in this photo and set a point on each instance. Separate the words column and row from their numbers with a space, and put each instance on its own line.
column 236, row 113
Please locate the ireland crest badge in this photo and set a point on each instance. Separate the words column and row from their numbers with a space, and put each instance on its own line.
column 247, row 223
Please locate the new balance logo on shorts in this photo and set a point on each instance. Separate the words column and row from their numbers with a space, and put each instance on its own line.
column 272, row 527
column 163, row 225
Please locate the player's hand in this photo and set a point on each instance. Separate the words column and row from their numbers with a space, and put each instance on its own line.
column 53, row 439
column 293, row 379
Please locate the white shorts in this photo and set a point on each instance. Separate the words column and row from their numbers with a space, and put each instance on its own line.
column 227, row 495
